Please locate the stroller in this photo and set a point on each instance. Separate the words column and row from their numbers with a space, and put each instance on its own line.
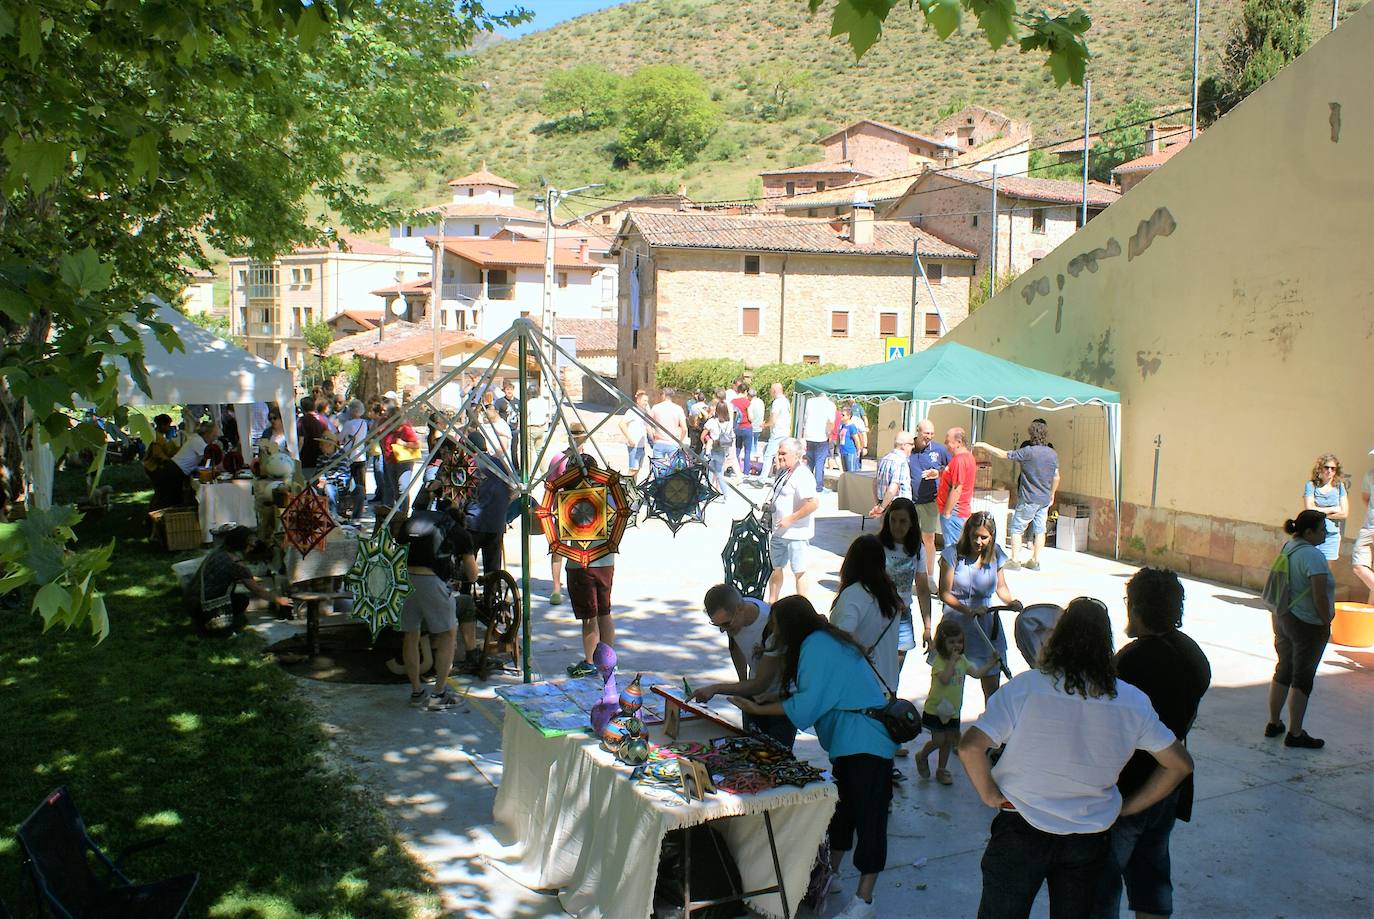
column 1033, row 626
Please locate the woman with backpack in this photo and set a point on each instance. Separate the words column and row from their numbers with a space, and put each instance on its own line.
column 1302, row 594
column 718, row 441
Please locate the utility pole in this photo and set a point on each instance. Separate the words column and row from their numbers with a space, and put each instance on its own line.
column 1335, row 12
column 1087, row 109
column 1197, row 30
column 436, row 291
column 992, row 262
column 918, row 272
column 548, row 318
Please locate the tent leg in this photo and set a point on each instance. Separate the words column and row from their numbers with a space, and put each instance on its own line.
column 524, row 452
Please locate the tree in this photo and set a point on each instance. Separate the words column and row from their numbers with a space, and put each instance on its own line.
column 589, row 90
column 132, row 133
column 1043, row 166
column 1060, row 37
column 1269, row 35
column 321, row 365
column 957, row 104
column 1123, row 139
column 776, row 90
column 667, row 116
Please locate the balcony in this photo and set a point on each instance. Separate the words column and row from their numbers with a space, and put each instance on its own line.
column 473, row 293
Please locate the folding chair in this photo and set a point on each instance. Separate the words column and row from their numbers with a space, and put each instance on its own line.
column 56, row 847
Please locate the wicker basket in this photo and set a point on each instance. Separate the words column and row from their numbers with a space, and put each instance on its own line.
column 176, row 528
column 984, row 478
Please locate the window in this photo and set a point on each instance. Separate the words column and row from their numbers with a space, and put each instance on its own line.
column 887, row 325
column 562, row 279
column 606, row 219
column 935, row 274
column 811, row 212
column 751, row 264
column 791, row 189
column 975, row 220
column 472, row 192
column 1037, row 221
column 295, row 277
column 933, row 325
column 307, row 277
column 476, row 229
column 820, row 186
column 750, row 320
column 262, row 280
column 970, row 141
column 811, row 358
column 1035, row 260
column 839, row 323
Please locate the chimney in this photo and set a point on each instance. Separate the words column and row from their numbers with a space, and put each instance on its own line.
column 861, row 220
column 584, row 250
column 1151, row 139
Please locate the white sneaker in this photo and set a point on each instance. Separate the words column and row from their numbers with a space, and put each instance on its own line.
column 858, row 908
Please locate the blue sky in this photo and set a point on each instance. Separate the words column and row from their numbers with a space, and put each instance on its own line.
column 547, row 12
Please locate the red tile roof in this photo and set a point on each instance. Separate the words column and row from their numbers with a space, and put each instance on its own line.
column 593, row 335
column 482, row 177
column 1060, row 191
column 888, row 127
column 1149, row 161
column 353, row 244
column 785, row 234
column 368, row 319
column 522, row 252
column 843, row 168
column 397, row 290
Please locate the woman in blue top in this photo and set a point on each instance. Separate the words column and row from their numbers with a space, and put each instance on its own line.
column 1325, row 492
column 970, row 574
column 1301, row 634
column 828, row 683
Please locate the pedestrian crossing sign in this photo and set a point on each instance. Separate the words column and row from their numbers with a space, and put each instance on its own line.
column 896, row 348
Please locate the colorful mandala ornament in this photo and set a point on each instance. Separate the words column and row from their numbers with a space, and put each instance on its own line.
column 747, row 562
column 379, row 581
column 679, row 491
column 584, row 512
column 306, row 521
column 458, row 475
column 634, row 500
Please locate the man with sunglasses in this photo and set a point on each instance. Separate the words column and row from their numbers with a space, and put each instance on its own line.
column 757, row 659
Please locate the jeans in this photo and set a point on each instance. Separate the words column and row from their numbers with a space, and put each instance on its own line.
column 359, row 472
column 717, row 464
column 1139, row 854
column 745, row 442
column 849, row 462
column 777, row 727
column 952, row 528
column 662, row 449
column 636, row 457
column 864, row 782
column 816, row 452
column 770, row 451
column 1019, row 859
column 378, row 477
column 331, row 492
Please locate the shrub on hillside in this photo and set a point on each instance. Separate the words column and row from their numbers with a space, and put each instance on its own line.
column 667, row 117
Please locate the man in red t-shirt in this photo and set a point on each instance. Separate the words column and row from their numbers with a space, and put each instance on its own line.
column 954, row 496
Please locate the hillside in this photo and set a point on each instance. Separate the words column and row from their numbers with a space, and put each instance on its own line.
column 1141, row 48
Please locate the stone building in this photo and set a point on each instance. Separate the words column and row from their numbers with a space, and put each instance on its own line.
column 765, row 289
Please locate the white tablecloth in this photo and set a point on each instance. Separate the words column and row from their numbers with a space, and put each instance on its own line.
column 581, row 826
column 225, row 502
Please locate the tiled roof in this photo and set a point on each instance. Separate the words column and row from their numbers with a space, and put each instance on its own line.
column 988, row 150
column 482, row 177
column 785, row 234
column 1075, row 145
column 888, row 127
column 477, row 209
column 353, row 244
column 592, row 335
column 368, row 319
column 843, row 168
column 1060, row 191
column 201, row 275
column 1149, row 161
column 351, row 343
column 569, row 235
column 877, row 191
column 401, row 342
column 526, row 253
column 396, row 290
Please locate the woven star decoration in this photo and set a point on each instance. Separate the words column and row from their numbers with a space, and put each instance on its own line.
column 584, row 512
column 634, row 500
column 379, row 581
column 306, row 521
column 458, row 475
column 747, row 562
column 679, row 491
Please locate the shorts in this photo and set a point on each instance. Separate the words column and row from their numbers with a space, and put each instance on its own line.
column 1032, row 515
column 788, row 553
column 928, row 516
column 1139, row 856
column 906, row 632
column 1299, row 646
column 1360, row 556
column 465, row 608
column 952, row 528
column 636, row 457
column 589, row 591
column 429, row 602
column 933, row 724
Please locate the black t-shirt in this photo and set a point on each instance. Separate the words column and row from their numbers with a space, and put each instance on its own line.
column 1172, row 670
column 437, row 541
column 309, row 427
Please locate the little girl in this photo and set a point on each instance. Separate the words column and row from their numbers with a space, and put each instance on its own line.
column 946, row 698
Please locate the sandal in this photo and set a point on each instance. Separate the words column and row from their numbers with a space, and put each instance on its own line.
column 1273, row 729
column 943, row 777
column 923, row 768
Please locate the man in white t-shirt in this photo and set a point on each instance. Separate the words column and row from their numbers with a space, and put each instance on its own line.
column 791, row 509
column 635, row 431
column 536, row 419
column 672, row 429
column 818, row 423
column 1069, row 727
column 779, row 428
column 756, row 656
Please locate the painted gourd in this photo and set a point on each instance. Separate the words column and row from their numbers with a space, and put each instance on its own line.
column 634, row 751
column 632, row 697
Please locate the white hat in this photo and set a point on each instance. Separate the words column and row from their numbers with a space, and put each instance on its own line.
column 390, row 395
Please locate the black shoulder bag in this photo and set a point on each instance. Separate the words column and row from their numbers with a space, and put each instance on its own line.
column 897, row 716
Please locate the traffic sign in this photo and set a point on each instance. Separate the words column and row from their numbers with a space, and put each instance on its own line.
column 896, row 348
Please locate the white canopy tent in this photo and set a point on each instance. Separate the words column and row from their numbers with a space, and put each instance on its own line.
column 208, row 369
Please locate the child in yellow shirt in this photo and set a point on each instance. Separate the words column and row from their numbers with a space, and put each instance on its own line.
column 946, row 698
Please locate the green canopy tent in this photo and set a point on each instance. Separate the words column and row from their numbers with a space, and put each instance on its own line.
column 951, row 373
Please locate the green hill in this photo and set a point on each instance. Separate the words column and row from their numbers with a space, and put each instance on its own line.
column 1141, row 49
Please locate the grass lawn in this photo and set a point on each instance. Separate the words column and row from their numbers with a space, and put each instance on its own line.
column 158, row 731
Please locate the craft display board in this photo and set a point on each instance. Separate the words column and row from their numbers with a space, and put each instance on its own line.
column 558, row 707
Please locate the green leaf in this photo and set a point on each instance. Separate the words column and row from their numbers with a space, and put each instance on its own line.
column 862, row 26
column 997, row 19
column 942, row 15
column 140, row 428
column 15, row 304
column 181, row 133
column 30, row 35
column 143, row 155
column 14, row 579
column 311, row 26
column 51, row 601
column 6, row 23
column 88, row 435
column 99, row 619
column 84, row 272
column 42, row 161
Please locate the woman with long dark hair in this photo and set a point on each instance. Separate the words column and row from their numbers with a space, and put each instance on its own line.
column 970, row 575
column 827, row 683
column 867, row 607
column 906, row 565
column 1301, row 633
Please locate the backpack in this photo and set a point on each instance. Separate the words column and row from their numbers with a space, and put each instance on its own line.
column 1278, row 586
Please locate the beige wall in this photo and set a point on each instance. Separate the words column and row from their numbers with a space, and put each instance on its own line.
column 1230, row 300
column 803, row 182
column 698, row 296
column 878, row 152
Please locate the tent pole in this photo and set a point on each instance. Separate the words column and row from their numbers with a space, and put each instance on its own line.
column 524, row 453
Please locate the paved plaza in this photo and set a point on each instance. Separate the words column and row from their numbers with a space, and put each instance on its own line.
column 1276, row 832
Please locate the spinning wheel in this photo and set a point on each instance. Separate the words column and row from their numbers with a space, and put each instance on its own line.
column 499, row 609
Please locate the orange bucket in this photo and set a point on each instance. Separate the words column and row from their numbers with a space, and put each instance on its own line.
column 1353, row 625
